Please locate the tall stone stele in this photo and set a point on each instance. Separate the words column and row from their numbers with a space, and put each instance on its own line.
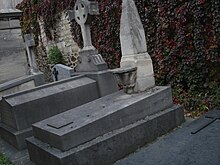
column 134, row 47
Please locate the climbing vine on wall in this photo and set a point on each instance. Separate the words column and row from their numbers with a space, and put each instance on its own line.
column 183, row 39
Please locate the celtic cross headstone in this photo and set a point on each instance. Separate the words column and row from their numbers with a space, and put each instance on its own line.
column 83, row 10
column 89, row 59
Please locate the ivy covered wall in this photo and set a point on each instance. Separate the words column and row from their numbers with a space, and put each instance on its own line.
column 183, row 39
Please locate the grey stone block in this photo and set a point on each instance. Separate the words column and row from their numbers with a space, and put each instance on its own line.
column 90, row 61
column 20, row 110
column 106, row 81
column 25, row 108
column 14, row 137
column 100, row 116
column 109, row 147
column 38, row 80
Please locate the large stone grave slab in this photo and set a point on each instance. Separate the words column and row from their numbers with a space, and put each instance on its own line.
column 100, row 116
column 22, row 109
column 104, row 130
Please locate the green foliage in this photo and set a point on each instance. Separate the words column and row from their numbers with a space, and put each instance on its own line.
column 198, row 102
column 4, row 160
column 183, row 39
column 55, row 55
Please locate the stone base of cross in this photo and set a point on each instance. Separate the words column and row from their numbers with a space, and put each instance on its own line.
column 89, row 59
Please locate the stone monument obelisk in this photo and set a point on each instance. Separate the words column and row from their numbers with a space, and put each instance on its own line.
column 134, row 47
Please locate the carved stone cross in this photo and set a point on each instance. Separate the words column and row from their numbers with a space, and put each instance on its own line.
column 83, row 10
column 30, row 43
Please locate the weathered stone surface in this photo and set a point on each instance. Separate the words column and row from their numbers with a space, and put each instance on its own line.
column 145, row 74
column 9, row 4
column 110, row 147
column 34, row 105
column 10, row 13
column 126, row 78
column 20, row 110
column 13, row 63
column 105, row 80
column 132, row 35
column 133, row 46
column 11, row 24
column 90, row 61
column 14, row 137
column 98, row 117
column 21, row 84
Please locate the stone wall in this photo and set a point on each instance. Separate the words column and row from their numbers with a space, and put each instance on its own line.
column 65, row 42
column 63, row 39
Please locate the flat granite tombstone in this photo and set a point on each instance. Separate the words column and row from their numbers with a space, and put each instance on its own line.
column 20, row 110
column 104, row 130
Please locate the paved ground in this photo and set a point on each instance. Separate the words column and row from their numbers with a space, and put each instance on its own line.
column 181, row 147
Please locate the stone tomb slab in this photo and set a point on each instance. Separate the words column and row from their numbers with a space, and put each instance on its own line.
column 23, row 109
column 86, row 122
column 112, row 146
column 19, row 111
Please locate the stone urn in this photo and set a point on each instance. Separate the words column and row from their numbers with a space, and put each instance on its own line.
column 126, row 77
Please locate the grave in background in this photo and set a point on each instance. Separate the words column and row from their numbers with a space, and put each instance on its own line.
column 13, row 61
column 21, row 84
column 107, row 129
